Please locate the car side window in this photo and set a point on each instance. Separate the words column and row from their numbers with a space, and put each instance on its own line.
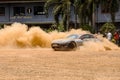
column 91, row 36
column 84, row 37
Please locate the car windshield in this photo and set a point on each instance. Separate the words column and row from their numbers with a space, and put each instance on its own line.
column 73, row 36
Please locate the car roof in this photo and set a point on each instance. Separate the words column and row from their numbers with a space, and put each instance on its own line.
column 80, row 34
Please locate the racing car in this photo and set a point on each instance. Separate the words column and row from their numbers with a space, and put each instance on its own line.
column 72, row 41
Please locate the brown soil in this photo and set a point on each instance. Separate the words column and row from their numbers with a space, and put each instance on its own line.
column 46, row 64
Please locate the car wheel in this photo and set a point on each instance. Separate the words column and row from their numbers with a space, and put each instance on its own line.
column 55, row 49
column 72, row 45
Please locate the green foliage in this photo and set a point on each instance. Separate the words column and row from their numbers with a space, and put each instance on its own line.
column 61, row 8
column 53, row 27
column 1, row 26
column 87, row 27
column 84, row 9
column 61, row 27
column 107, row 27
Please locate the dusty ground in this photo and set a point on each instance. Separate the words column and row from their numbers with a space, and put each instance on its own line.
column 90, row 62
column 46, row 64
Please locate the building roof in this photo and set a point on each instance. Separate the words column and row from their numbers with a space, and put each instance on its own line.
column 20, row 1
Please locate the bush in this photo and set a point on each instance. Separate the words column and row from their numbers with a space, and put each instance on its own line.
column 1, row 26
column 87, row 27
column 53, row 27
column 60, row 27
column 107, row 27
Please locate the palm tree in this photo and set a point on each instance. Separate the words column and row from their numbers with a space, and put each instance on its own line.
column 57, row 8
column 61, row 8
column 86, row 9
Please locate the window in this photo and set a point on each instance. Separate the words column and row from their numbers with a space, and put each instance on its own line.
column 19, row 11
column 86, row 36
column 39, row 10
column 29, row 10
column 2, row 11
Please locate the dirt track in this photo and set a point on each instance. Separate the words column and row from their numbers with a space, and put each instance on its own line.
column 46, row 64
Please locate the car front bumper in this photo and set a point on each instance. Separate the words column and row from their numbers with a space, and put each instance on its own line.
column 56, row 46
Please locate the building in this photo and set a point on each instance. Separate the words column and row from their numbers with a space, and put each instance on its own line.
column 32, row 12
column 103, row 16
column 24, row 11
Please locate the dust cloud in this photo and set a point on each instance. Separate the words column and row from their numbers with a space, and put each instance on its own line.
column 18, row 35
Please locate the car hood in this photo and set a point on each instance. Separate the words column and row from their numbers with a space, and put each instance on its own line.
column 62, row 41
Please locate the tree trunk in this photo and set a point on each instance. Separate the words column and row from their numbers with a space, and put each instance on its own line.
column 68, row 17
column 93, row 17
column 75, row 17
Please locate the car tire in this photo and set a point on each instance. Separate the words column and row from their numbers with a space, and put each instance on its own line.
column 55, row 49
column 72, row 45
